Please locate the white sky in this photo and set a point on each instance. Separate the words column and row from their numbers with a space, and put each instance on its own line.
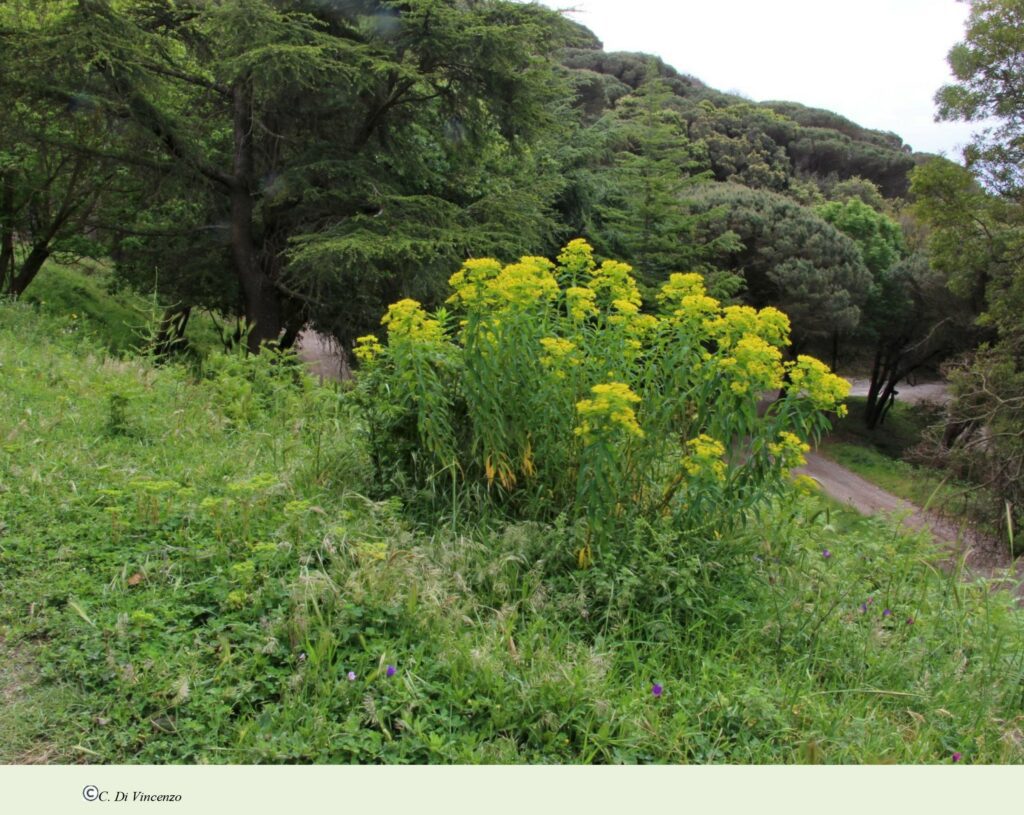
column 877, row 62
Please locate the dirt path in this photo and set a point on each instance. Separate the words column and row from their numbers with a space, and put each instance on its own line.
column 934, row 392
column 985, row 557
column 869, row 499
column 849, row 488
column 323, row 357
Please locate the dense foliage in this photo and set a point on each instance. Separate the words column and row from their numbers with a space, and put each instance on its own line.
column 547, row 384
column 283, row 141
column 789, row 257
column 290, row 163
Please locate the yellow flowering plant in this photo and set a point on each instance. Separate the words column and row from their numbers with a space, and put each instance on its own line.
column 554, row 390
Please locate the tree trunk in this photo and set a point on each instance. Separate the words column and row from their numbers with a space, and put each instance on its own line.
column 874, row 389
column 887, row 399
column 29, row 269
column 260, row 296
column 6, row 233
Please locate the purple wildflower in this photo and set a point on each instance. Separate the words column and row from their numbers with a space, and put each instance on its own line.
column 956, row 757
column 656, row 689
column 390, row 672
column 351, row 676
column 825, row 553
column 863, row 608
column 910, row 620
column 887, row 613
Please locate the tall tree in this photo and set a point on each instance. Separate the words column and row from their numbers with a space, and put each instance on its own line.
column 50, row 187
column 989, row 69
column 979, row 237
column 642, row 214
column 330, row 141
column 894, row 298
column 789, row 258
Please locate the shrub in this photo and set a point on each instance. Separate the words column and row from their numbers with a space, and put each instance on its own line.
column 548, row 386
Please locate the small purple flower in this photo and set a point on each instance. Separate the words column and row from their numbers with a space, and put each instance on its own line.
column 863, row 608
column 956, row 757
column 825, row 553
column 351, row 676
column 391, row 671
column 910, row 620
column 656, row 689
column 887, row 613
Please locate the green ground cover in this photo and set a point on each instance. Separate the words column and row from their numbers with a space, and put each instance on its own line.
column 118, row 318
column 896, row 436
column 191, row 570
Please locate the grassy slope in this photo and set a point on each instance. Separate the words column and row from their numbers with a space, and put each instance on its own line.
column 120, row 320
column 192, row 569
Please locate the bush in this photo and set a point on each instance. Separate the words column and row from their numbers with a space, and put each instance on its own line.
column 548, row 387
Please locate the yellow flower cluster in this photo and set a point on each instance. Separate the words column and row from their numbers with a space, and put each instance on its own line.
column 406, row 319
column 696, row 308
column 735, row 322
column 482, row 283
column 680, row 286
column 610, row 409
column 754, row 366
column 470, row 282
column 640, row 325
column 773, row 326
column 367, row 348
column 817, row 383
column 613, row 282
column 560, row 355
column 789, row 450
column 704, row 457
column 557, row 347
column 623, row 312
column 576, row 260
column 580, row 303
column 626, row 306
column 524, row 283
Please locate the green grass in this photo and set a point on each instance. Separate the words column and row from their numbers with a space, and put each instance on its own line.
column 900, row 432
column 81, row 291
column 919, row 485
column 121, row 320
column 189, row 569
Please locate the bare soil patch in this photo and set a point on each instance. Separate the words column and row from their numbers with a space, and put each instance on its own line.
column 20, row 741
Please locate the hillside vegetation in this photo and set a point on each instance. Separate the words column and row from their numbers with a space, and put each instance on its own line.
column 552, row 518
column 191, row 568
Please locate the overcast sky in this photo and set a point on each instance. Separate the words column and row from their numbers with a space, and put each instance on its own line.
column 877, row 62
